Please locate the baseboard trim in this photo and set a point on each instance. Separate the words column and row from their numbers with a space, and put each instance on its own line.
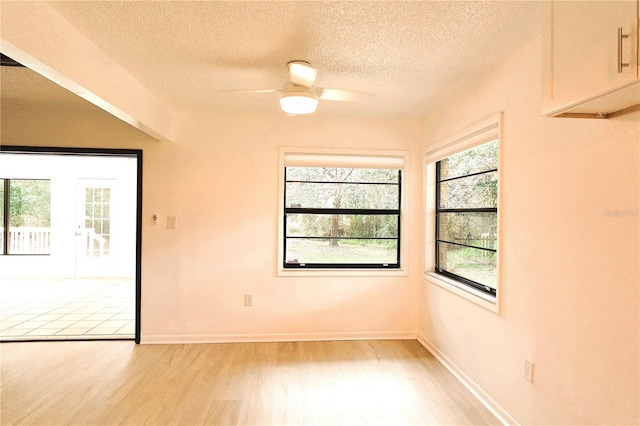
column 284, row 337
column 501, row 414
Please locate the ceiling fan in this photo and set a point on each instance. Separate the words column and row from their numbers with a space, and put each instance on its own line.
column 300, row 95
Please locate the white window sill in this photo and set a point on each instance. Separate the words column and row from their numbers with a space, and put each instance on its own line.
column 301, row 272
column 481, row 299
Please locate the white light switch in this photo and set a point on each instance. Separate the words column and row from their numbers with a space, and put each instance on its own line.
column 172, row 222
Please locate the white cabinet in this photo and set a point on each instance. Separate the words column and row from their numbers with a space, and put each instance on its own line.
column 590, row 58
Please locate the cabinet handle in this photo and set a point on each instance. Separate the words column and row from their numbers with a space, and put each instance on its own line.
column 620, row 37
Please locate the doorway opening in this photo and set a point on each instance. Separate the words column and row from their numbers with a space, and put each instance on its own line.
column 70, row 252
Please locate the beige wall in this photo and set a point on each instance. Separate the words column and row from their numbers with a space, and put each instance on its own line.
column 569, row 283
column 220, row 179
column 570, row 277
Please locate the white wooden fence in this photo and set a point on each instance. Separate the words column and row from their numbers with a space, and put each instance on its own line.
column 91, row 243
column 38, row 241
column 29, row 240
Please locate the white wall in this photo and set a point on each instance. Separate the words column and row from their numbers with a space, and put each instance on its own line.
column 570, row 276
column 219, row 178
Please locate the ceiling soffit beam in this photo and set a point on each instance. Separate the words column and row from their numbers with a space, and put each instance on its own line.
column 37, row 36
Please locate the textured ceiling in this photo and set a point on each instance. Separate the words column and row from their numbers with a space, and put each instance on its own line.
column 21, row 87
column 408, row 53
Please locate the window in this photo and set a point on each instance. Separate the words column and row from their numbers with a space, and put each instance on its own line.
column 97, row 220
column 463, row 213
column 25, row 206
column 467, row 217
column 341, row 212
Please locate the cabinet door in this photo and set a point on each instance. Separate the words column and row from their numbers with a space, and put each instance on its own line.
column 585, row 49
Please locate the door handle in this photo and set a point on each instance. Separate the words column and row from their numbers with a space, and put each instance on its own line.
column 621, row 36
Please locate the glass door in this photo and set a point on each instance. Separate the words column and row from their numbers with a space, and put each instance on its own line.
column 94, row 239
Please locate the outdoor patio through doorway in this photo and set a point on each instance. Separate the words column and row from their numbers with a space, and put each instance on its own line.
column 63, row 309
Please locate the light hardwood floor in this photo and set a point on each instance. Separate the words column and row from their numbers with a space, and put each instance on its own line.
column 395, row 382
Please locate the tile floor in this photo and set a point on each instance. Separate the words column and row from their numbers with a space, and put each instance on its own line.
column 67, row 308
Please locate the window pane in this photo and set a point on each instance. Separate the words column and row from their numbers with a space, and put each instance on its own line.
column 474, row 160
column 468, row 180
column 470, row 263
column 470, row 192
column 328, row 225
column 29, row 216
column 347, row 251
column 333, row 174
column 97, row 226
column 342, row 239
column 475, row 229
column 97, row 220
column 342, row 196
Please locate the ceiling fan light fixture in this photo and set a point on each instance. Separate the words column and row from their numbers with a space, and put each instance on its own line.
column 298, row 103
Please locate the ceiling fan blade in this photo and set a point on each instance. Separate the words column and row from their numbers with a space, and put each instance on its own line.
column 301, row 73
column 344, row 95
column 249, row 90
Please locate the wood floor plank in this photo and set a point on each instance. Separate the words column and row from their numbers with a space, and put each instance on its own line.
column 290, row 383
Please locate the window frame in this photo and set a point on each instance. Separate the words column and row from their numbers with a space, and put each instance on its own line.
column 466, row 281
column 345, row 212
column 5, row 218
column 301, row 157
column 476, row 135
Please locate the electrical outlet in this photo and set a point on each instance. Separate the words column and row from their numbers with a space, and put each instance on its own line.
column 528, row 370
column 248, row 300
